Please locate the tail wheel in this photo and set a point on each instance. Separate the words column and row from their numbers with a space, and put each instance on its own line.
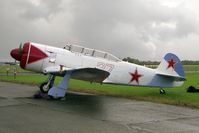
column 162, row 91
column 44, row 87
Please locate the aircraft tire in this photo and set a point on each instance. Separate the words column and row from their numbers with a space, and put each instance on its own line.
column 162, row 91
column 43, row 87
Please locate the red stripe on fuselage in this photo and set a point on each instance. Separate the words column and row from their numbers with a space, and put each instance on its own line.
column 31, row 54
column 36, row 54
column 24, row 57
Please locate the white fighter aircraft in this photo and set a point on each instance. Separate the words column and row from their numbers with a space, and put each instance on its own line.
column 87, row 64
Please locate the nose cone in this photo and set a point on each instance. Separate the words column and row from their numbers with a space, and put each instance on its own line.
column 15, row 53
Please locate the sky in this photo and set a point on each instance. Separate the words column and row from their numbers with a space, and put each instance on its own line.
column 141, row 29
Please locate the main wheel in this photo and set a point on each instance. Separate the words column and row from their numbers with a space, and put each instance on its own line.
column 44, row 87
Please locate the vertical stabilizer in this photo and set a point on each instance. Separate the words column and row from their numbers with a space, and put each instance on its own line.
column 171, row 65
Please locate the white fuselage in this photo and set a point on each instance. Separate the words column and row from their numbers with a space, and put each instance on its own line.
column 44, row 59
column 120, row 71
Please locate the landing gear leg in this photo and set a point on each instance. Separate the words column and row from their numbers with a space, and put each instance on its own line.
column 45, row 86
column 162, row 91
column 60, row 90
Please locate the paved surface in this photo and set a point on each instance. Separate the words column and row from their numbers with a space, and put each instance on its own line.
column 84, row 113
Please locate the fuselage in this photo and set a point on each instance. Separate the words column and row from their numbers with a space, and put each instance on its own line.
column 40, row 58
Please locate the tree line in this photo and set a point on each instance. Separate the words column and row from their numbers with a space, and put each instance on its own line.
column 136, row 61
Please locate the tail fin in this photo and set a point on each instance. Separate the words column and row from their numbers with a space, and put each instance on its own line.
column 171, row 66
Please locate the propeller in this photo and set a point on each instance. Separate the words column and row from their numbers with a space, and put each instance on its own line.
column 17, row 52
column 20, row 48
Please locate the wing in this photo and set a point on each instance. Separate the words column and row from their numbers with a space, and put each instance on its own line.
column 88, row 74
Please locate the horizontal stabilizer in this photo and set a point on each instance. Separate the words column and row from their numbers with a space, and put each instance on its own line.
column 175, row 77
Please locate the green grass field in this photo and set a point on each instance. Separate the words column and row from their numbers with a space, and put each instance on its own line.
column 174, row 96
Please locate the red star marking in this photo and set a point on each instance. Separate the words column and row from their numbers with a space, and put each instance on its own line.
column 135, row 76
column 171, row 63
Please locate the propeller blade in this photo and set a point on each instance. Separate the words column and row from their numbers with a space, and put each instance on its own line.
column 20, row 48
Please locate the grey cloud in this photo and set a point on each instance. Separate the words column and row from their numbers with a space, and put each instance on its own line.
column 44, row 9
column 110, row 25
column 136, row 28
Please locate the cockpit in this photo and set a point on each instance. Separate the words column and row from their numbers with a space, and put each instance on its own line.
column 91, row 52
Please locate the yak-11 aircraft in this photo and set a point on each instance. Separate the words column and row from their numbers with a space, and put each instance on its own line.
column 92, row 65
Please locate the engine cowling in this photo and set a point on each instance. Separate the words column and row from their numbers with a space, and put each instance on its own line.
column 28, row 54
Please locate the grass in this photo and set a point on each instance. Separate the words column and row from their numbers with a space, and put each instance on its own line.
column 11, row 69
column 174, row 96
